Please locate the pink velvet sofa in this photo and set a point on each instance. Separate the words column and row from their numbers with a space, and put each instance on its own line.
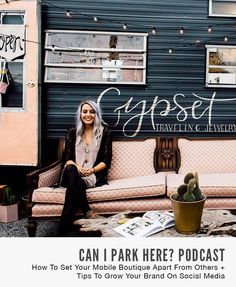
column 143, row 174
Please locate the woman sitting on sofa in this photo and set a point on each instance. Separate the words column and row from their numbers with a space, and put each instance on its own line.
column 87, row 158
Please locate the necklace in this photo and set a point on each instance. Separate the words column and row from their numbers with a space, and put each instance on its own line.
column 86, row 150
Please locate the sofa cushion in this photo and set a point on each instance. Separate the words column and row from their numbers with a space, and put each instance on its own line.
column 144, row 186
column 108, row 207
column 207, row 156
column 49, row 195
column 137, row 205
column 132, row 159
column 134, row 205
column 212, row 185
column 47, row 210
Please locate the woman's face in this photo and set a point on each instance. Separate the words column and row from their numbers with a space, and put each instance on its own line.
column 88, row 114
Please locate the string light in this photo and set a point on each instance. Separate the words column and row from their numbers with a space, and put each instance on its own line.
column 68, row 14
column 209, row 29
column 170, row 51
column 152, row 32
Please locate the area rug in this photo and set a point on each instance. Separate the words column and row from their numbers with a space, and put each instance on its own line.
column 18, row 229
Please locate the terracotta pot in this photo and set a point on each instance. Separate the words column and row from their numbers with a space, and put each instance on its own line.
column 8, row 213
column 188, row 215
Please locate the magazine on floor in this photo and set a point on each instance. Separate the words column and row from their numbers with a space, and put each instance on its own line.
column 151, row 222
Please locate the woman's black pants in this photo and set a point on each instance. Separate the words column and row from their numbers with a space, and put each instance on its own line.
column 75, row 198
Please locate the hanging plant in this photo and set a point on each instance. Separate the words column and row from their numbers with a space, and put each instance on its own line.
column 4, row 80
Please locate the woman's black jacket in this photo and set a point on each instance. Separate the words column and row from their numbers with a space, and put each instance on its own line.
column 104, row 152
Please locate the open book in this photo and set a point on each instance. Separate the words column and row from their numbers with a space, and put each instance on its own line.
column 151, row 222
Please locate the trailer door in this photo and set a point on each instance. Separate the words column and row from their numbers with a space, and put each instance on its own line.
column 20, row 83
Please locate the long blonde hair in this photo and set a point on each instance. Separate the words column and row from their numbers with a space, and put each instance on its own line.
column 98, row 122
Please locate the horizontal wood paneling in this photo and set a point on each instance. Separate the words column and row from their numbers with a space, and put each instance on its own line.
column 182, row 72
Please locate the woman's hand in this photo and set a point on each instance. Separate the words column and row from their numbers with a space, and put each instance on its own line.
column 79, row 168
column 87, row 171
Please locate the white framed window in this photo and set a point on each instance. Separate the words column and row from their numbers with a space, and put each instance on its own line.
column 12, row 18
column 12, row 54
column 222, row 8
column 220, row 66
column 95, row 57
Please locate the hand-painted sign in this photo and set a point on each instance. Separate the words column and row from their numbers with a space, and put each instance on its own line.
column 131, row 115
column 12, row 43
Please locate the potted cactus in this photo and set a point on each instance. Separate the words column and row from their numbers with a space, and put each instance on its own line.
column 8, row 205
column 188, row 205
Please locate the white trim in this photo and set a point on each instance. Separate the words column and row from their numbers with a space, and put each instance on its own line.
column 221, row 46
column 211, row 3
column 17, row 164
column 87, row 49
column 12, row 110
column 96, row 82
column 219, row 86
column 96, row 32
column 95, row 66
column 210, row 8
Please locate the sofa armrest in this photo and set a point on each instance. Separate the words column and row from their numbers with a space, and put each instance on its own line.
column 47, row 176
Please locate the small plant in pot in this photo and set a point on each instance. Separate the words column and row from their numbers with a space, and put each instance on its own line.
column 188, row 205
column 8, row 206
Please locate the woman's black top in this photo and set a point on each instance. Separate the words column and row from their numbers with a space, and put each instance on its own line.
column 104, row 152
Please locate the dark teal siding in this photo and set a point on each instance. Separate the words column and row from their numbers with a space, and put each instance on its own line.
column 182, row 72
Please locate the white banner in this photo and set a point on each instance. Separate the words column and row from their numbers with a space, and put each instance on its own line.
column 118, row 262
column 12, row 43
